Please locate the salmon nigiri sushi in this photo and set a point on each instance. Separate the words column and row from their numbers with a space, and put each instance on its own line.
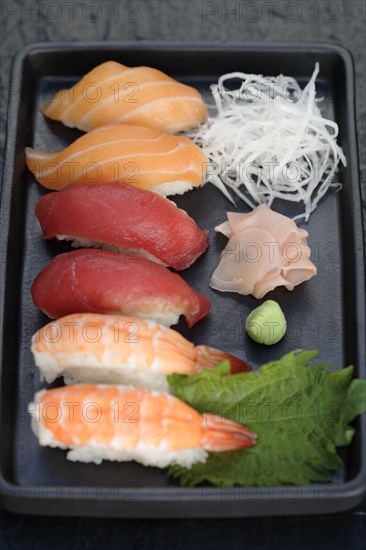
column 123, row 423
column 92, row 347
column 113, row 93
column 142, row 157
column 117, row 216
column 98, row 281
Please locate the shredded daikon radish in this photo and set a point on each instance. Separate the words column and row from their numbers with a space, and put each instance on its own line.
column 269, row 140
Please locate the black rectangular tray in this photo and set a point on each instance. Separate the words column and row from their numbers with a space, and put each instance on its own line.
column 326, row 313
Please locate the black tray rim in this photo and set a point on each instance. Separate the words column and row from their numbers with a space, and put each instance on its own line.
column 19, row 498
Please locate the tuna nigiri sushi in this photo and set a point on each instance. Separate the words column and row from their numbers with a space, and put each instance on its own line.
column 117, row 216
column 90, row 280
column 114, row 349
column 122, row 423
column 114, row 93
column 142, row 157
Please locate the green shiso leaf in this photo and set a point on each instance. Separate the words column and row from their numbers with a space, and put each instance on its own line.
column 300, row 413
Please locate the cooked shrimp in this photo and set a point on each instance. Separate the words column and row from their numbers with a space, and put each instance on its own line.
column 123, row 423
column 115, row 349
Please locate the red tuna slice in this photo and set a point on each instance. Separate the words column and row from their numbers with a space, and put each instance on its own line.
column 90, row 280
column 119, row 216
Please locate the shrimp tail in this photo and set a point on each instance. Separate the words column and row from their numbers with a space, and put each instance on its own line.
column 208, row 358
column 222, row 434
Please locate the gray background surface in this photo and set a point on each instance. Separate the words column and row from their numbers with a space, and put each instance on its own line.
column 339, row 22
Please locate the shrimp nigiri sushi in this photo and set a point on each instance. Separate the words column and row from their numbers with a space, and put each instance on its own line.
column 142, row 157
column 123, row 423
column 90, row 280
column 117, row 216
column 114, row 349
column 113, row 93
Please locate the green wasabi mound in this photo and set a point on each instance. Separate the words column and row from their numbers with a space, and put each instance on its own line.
column 266, row 324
